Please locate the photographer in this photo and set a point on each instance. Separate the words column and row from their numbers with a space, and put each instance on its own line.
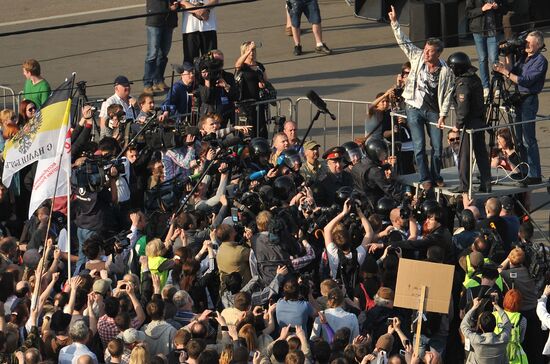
column 217, row 94
column 180, row 97
column 344, row 260
column 179, row 162
column 528, row 73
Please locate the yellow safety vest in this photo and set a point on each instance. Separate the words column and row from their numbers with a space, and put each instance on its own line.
column 514, row 350
column 154, row 264
column 470, row 281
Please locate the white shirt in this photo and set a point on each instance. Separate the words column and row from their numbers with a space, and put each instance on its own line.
column 333, row 261
column 192, row 24
column 128, row 110
column 70, row 354
column 123, row 182
column 337, row 318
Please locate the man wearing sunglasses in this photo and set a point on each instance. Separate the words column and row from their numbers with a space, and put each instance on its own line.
column 449, row 158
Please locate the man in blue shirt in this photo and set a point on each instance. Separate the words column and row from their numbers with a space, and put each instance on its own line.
column 528, row 73
column 180, row 96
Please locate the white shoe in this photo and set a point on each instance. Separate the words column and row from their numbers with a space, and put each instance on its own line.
column 497, row 93
column 486, row 92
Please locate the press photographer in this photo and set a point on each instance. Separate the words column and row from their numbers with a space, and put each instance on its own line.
column 528, row 72
column 217, row 92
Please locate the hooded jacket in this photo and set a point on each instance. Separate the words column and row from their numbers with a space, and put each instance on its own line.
column 159, row 337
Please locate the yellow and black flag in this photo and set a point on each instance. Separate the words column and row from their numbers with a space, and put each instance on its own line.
column 43, row 136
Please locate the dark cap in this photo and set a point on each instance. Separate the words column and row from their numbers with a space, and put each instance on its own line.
column 180, row 68
column 334, row 153
column 507, row 203
column 60, row 321
column 122, row 80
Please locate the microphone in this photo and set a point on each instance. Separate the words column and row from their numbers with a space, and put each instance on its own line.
column 254, row 176
column 319, row 103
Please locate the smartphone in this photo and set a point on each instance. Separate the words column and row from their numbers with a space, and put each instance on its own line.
column 213, row 314
column 235, row 214
column 291, row 330
column 389, row 321
column 122, row 286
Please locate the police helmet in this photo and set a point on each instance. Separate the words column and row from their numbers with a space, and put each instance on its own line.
column 259, row 147
column 284, row 188
column 352, row 151
column 384, row 207
column 377, row 150
column 292, row 159
column 459, row 62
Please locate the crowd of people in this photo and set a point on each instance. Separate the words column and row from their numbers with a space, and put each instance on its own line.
column 192, row 238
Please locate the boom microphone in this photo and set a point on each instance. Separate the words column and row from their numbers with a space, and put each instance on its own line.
column 319, row 103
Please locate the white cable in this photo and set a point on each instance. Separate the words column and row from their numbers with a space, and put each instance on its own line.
column 508, row 174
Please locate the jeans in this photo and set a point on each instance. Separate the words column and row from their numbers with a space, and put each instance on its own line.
column 486, row 49
column 82, row 235
column 418, row 120
column 525, row 134
column 159, row 41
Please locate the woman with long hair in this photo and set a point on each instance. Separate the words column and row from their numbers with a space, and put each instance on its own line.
column 140, row 355
column 27, row 110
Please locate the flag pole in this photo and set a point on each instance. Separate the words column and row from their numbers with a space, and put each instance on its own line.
column 40, row 268
column 68, row 225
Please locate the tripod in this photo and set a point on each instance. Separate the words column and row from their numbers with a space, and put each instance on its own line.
column 498, row 96
column 80, row 102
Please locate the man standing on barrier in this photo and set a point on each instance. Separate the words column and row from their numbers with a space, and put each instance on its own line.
column 427, row 94
column 468, row 98
column 528, row 73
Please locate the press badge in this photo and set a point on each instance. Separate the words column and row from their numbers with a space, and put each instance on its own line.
column 466, row 344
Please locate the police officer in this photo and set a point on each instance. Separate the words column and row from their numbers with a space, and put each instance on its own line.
column 468, row 97
column 369, row 176
column 336, row 177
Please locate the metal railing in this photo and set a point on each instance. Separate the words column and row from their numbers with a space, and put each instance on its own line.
column 6, row 92
column 350, row 115
column 274, row 109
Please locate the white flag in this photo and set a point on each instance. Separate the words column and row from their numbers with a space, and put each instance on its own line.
column 46, row 174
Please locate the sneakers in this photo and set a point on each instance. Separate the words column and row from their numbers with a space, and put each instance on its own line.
column 323, row 49
column 160, row 87
column 148, row 90
column 298, row 50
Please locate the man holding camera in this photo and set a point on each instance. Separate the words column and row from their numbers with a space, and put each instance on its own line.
column 528, row 73
column 121, row 97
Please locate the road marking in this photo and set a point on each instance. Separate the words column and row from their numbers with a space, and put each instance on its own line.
column 71, row 15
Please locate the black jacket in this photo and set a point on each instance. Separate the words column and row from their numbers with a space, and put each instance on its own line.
column 325, row 190
column 170, row 19
column 369, row 178
column 440, row 237
column 468, row 98
column 269, row 255
column 476, row 16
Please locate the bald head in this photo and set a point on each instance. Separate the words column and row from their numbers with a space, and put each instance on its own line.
column 85, row 359
column 475, row 211
column 493, row 206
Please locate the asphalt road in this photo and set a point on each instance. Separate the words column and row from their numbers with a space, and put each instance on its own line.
column 365, row 59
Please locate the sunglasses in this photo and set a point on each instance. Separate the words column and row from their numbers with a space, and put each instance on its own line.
column 404, row 73
column 31, row 109
column 452, row 140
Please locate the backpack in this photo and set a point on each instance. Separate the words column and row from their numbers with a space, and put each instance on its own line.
column 537, row 263
column 497, row 253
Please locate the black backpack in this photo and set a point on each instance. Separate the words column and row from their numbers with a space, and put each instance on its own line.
column 497, row 253
column 536, row 261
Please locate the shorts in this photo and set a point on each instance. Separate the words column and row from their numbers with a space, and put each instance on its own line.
column 308, row 7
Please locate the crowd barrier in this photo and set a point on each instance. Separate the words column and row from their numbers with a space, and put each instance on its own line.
column 6, row 92
column 350, row 119
column 276, row 110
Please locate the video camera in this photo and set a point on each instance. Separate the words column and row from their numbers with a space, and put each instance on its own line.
column 116, row 243
column 94, row 173
column 515, row 46
column 209, row 63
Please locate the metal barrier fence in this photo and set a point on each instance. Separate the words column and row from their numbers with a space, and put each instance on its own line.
column 6, row 92
column 350, row 118
column 273, row 113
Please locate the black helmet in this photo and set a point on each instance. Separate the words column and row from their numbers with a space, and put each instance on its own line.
column 342, row 194
column 459, row 62
column 259, row 147
column 377, row 150
column 292, row 158
column 468, row 220
column 352, row 149
column 429, row 206
column 284, row 188
column 384, row 207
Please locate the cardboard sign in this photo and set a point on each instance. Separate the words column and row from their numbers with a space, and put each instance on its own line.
column 413, row 274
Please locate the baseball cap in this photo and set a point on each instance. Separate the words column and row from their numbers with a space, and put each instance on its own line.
column 311, row 144
column 102, row 286
column 132, row 335
column 122, row 80
column 180, row 68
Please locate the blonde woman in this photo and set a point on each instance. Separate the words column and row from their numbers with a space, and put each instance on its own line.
column 140, row 355
column 156, row 262
column 254, row 86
